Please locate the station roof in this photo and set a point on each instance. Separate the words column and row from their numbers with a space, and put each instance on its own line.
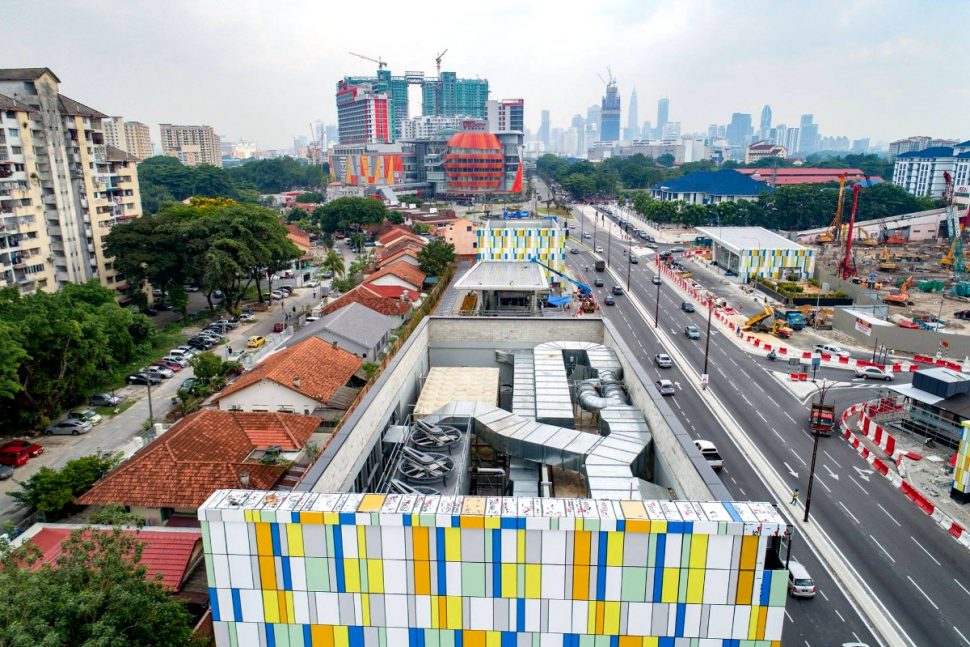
column 744, row 238
column 512, row 276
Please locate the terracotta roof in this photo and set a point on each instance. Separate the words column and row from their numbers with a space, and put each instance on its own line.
column 393, row 291
column 169, row 554
column 402, row 270
column 366, row 295
column 203, row 452
column 397, row 246
column 396, row 256
column 396, row 233
column 322, row 370
column 298, row 237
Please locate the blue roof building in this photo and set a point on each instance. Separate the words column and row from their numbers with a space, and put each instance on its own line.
column 709, row 187
column 921, row 172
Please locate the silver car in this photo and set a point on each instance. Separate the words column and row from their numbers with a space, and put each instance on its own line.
column 800, row 583
column 69, row 427
column 666, row 387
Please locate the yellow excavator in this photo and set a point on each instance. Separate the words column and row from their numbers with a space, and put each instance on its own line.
column 886, row 261
column 866, row 239
column 832, row 234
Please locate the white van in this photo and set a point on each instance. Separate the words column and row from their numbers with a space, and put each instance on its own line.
column 710, row 453
column 800, row 583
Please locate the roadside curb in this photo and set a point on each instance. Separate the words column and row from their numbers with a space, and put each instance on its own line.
column 943, row 520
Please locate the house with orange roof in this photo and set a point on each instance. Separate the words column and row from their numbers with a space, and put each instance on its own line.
column 298, row 237
column 206, row 451
column 394, row 301
column 312, row 377
column 408, row 255
column 397, row 247
column 397, row 233
column 400, row 273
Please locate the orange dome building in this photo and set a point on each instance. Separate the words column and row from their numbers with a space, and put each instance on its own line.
column 474, row 162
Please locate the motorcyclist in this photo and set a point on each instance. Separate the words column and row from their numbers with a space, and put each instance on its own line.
column 772, row 355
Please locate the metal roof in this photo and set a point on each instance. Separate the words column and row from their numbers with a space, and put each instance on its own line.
column 748, row 238
column 512, row 276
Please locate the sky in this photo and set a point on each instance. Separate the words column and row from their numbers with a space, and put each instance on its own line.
column 263, row 70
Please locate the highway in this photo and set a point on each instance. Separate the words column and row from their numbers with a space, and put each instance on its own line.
column 917, row 572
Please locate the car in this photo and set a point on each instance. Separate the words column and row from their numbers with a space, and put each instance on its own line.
column 171, row 365
column 276, row 294
column 200, row 343
column 103, row 400
column 279, row 326
column 573, row 250
column 286, row 289
column 218, row 295
column 13, row 456
column 326, row 275
column 159, row 370
column 666, row 387
column 687, row 306
column 911, row 325
column 255, row 341
column 655, row 280
column 634, row 259
column 228, row 323
column 692, row 332
column 187, row 385
column 617, row 290
column 800, row 583
column 599, row 249
column 831, row 349
column 710, row 453
column 598, row 282
column 587, row 235
column 191, row 288
column 311, row 284
column 663, row 360
column 609, row 300
column 86, row 414
column 311, row 318
column 144, row 378
column 962, row 314
column 212, row 335
column 179, row 353
column 247, row 317
column 68, row 427
column 5, row 472
column 873, row 373
column 730, row 273
column 676, row 250
column 33, row 449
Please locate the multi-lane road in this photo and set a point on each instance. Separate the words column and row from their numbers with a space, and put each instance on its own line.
column 918, row 574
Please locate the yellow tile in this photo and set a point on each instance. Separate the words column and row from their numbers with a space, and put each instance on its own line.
column 294, row 539
column 331, row 518
column 362, row 541
column 671, row 585
column 614, row 549
column 658, row 527
column 695, row 585
column 267, row 572
column 454, row 612
column 611, row 618
column 375, row 575
column 510, row 576
column 520, row 546
column 351, row 575
column 271, row 609
column 371, row 503
column 493, row 639
column 591, row 618
column 698, row 551
column 533, row 580
column 648, row 641
column 633, row 510
column 452, row 544
column 436, row 612
column 365, row 609
column 341, row 636
column 753, row 623
column 493, row 523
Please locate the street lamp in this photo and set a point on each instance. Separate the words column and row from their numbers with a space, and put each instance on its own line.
column 822, row 390
column 629, row 264
column 707, row 341
column 151, row 413
column 609, row 242
column 656, row 313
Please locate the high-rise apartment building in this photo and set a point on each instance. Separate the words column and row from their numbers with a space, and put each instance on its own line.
column 632, row 119
column 114, row 132
column 362, row 114
column 610, row 115
column 139, row 140
column 765, row 125
column 808, row 139
column 62, row 187
column 192, row 145
column 580, row 125
column 646, row 131
column 663, row 114
column 860, row 145
column 507, row 115
column 739, row 131
column 593, row 127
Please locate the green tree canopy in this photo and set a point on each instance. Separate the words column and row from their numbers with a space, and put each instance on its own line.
column 313, row 197
column 350, row 213
column 53, row 491
column 436, row 257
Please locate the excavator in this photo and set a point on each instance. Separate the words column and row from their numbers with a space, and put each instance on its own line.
column 900, row 298
column 886, row 261
column 866, row 239
column 832, row 234
column 765, row 321
column 586, row 301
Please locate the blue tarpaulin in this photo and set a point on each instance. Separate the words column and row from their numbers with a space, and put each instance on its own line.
column 558, row 301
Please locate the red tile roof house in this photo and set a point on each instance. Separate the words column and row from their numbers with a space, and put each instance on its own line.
column 403, row 244
column 406, row 254
column 312, row 377
column 388, row 300
column 204, row 452
column 299, row 238
column 399, row 273
column 398, row 233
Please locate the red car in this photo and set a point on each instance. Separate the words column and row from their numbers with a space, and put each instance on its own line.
column 279, row 326
column 175, row 367
column 33, row 449
column 14, row 455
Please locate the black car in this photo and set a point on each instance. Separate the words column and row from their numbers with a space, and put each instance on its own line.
column 617, row 290
column 687, row 307
column 598, row 282
column 200, row 344
column 655, row 280
column 609, row 300
column 144, row 378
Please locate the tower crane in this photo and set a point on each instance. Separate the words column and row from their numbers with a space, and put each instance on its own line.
column 381, row 64
column 437, row 60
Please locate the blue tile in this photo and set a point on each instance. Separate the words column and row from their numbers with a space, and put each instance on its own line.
column 338, row 554
column 294, row 517
column 347, row 519
column 681, row 618
column 765, row 588
column 496, row 564
column 455, row 521
column 601, row 566
column 407, row 520
column 236, row 605
column 520, row 614
column 274, row 533
column 658, row 571
column 214, row 603
column 287, row 576
column 442, row 573
column 510, row 523
column 307, row 636
column 355, row 635
column 731, row 511
column 270, row 635
column 509, row 639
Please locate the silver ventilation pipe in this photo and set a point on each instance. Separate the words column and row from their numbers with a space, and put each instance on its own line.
column 612, row 388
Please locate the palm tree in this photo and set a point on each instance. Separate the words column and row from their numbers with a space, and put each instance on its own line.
column 334, row 262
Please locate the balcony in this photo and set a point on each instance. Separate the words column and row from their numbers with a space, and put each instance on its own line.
column 100, row 154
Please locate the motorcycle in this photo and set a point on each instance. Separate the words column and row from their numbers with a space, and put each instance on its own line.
column 772, row 356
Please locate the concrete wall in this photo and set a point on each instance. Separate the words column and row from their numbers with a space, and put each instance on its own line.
column 267, row 396
column 924, row 342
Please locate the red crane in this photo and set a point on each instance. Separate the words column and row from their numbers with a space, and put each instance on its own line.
column 847, row 264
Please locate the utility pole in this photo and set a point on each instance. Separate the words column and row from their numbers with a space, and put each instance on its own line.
column 656, row 313
column 609, row 241
column 151, row 414
column 629, row 264
column 822, row 390
column 707, row 341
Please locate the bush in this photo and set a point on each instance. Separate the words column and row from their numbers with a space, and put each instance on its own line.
column 793, row 277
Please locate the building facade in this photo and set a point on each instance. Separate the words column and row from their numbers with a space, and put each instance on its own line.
column 362, row 114
column 921, row 172
column 62, row 188
column 610, row 115
column 523, row 240
column 506, row 115
column 709, row 187
column 752, row 252
column 139, row 140
column 192, row 145
column 764, row 150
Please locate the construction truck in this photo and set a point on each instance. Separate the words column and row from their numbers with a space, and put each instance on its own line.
column 821, row 420
column 600, row 266
column 794, row 318
column 760, row 322
column 780, row 329
column 900, row 298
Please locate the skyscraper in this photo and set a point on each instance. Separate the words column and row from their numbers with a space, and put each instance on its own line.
column 645, row 131
column 739, row 131
column 808, row 137
column 663, row 109
column 505, row 115
column 610, row 116
column 765, row 126
column 632, row 119
column 362, row 114
column 593, row 129
column 192, row 145
column 580, row 125
column 544, row 130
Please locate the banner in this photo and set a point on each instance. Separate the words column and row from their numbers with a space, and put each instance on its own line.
column 863, row 326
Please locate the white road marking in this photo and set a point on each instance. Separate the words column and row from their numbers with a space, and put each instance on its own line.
column 888, row 515
column 857, row 483
column 743, row 493
column 822, row 593
column 925, row 551
column 849, row 513
column 800, row 459
column 780, row 437
column 735, row 482
column 826, row 452
column 961, row 634
column 789, row 417
column 876, row 542
column 731, row 359
column 928, row 598
column 822, row 483
column 837, row 613
column 763, row 418
column 788, row 615
column 746, row 400
column 961, row 586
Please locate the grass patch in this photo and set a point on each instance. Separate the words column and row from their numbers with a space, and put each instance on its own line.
column 109, row 412
column 168, row 338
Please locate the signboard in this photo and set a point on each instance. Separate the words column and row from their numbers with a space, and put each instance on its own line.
column 863, row 326
column 704, row 379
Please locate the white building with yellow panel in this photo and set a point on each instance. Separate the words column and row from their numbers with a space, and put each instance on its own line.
column 750, row 252
column 541, row 239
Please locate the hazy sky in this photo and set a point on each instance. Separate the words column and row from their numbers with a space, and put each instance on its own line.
column 264, row 69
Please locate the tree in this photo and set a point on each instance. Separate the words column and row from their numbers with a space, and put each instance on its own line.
column 114, row 514
column 420, row 228
column 334, row 262
column 296, row 214
column 666, row 160
column 351, row 213
column 310, row 197
column 436, row 257
column 207, row 366
column 357, row 240
column 279, row 174
column 97, row 593
column 395, row 218
column 53, row 491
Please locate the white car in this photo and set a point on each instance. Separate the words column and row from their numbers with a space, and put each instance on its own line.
column 666, row 387
column 831, row 349
column 311, row 284
column 181, row 360
column 710, row 453
column 276, row 294
column 159, row 371
column 873, row 373
column 800, row 583
column 663, row 360
column 599, row 249
column 247, row 317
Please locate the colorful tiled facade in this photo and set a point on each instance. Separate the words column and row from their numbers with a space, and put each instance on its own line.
column 961, row 471
column 374, row 570
column 777, row 263
column 511, row 242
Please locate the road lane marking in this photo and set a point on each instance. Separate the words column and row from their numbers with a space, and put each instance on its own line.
column 780, row 437
column 735, row 482
column 848, row 512
column 839, row 614
column 961, row 586
column 763, row 418
column 925, row 551
column 743, row 493
column 822, row 593
column 928, row 598
column 826, row 452
column 798, row 457
column 822, row 483
column 961, row 634
column 857, row 483
column 731, row 359
column 789, row 615
column 876, row 542
column 889, row 515
column 746, row 400
column 790, row 418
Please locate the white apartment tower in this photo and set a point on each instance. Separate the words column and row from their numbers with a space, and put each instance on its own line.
column 62, row 187
column 192, row 145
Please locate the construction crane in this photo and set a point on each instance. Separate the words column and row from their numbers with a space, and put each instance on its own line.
column 954, row 256
column 832, row 234
column 584, row 289
column 609, row 73
column 381, row 64
column 437, row 61
column 847, row 264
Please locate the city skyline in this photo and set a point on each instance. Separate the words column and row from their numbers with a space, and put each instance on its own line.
column 230, row 68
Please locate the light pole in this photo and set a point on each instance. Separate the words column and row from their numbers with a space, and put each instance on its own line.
column 151, row 413
column 822, row 390
column 629, row 264
column 707, row 341
column 609, row 242
column 656, row 313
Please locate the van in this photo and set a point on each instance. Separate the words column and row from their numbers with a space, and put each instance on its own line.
column 800, row 583
column 710, row 453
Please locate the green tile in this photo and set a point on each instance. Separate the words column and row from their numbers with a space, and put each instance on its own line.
column 447, row 638
column 317, row 574
column 634, row 584
column 652, row 552
column 778, row 595
column 210, row 571
column 473, row 580
column 587, row 641
column 685, row 551
column 233, row 639
column 382, row 636
column 431, row 638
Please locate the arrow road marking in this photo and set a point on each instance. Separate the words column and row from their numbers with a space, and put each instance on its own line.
column 863, row 474
column 790, row 470
column 831, row 473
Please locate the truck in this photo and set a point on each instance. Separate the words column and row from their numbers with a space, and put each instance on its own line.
column 600, row 266
column 795, row 319
column 821, row 420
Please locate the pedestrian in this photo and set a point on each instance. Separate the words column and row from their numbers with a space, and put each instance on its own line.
column 314, row 294
column 229, row 351
column 794, row 496
column 294, row 309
